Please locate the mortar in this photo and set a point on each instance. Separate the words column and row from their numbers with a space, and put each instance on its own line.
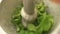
column 6, row 9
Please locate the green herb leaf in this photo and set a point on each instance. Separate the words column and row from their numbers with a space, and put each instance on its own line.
column 31, row 27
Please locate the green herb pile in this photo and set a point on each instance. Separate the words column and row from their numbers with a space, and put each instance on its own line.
column 41, row 25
